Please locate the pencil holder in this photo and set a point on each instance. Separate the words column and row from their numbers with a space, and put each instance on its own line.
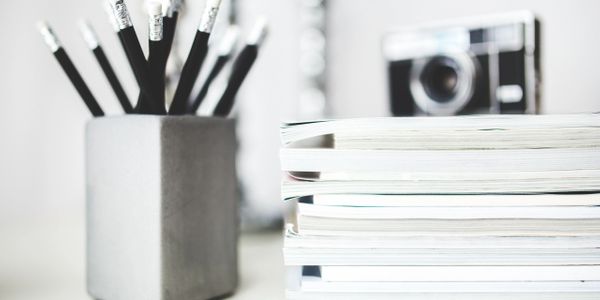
column 162, row 208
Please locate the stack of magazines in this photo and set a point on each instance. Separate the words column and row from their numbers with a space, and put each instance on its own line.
column 476, row 207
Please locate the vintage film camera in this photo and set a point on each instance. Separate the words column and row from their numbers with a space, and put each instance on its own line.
column 489, row 64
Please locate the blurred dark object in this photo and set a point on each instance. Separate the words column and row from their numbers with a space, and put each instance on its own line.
column 489, row 64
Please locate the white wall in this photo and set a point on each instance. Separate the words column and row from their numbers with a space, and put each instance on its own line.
column 358, row 85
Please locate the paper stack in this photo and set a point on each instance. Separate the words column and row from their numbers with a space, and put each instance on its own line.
column 478, row 207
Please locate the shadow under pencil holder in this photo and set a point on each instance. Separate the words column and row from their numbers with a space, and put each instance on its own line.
column 162, row 208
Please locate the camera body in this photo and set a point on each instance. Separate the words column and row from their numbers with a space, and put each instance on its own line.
column 489, row 64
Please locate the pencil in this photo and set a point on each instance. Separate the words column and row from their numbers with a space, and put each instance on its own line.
column 224, row 52
column 137, row 58
column 113, row 22
column 91, row 39
column 242, row 65
column 169, row 28
column 193, row 64
column 155, row 58
column 65, row 62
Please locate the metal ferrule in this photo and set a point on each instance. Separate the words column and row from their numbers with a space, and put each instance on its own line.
column 155, row 30
column 121, row 14
column 111, row 16
column 209, row 16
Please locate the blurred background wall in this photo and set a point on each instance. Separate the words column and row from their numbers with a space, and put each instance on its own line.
column 42, row 119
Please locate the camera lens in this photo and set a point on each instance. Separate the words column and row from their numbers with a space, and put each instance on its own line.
column 440, row 79
column 443, row 84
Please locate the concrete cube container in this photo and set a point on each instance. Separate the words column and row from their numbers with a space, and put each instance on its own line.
column 162, row 208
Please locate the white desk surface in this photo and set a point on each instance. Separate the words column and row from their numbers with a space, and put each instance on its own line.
column 44, row 259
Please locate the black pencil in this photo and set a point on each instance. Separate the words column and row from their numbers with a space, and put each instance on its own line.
column 113, row 22
column 193, row 64
column 115, row 25
column 169, row 28
column 225, row 50
column 137, row 58
column 242, row 65
column 70, row 69
column 155, row 58
column 92, row 41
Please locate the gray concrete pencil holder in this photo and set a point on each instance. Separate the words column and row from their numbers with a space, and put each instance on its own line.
column 162, row 208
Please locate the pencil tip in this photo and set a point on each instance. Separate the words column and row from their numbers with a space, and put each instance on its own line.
column 259, row 32
column 48, row 35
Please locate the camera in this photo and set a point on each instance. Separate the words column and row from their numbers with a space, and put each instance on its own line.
column 489, row 64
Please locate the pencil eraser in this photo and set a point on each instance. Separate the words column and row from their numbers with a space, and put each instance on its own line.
column 228, row 41
column 88, row 34
column 42, row 25
column 171, row 6
column 177, row 4
column 167, row 8
column 48, row 35
column 259, row 32
column 154, row 8
column 111, row 15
